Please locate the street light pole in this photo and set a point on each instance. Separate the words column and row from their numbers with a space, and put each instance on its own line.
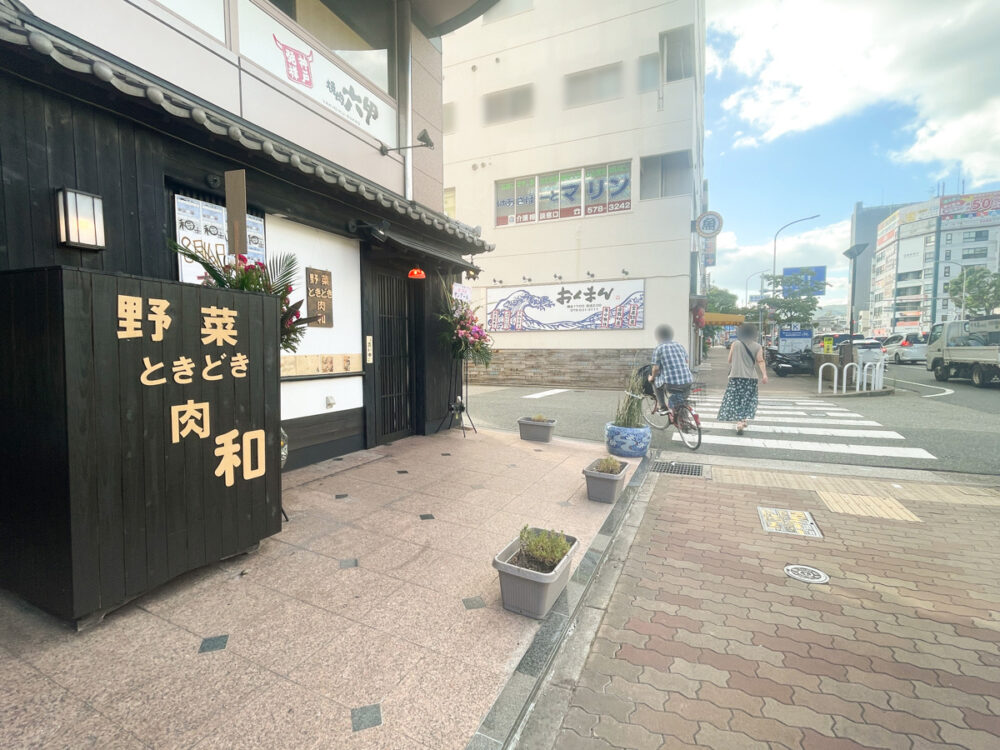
column 746, row 287
column 774, row 254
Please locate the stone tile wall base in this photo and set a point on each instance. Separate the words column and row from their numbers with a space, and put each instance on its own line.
column 560, row 368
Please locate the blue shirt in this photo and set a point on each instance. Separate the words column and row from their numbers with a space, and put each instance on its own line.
column 672, row 360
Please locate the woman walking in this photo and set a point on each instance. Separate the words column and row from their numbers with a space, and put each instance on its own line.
column 746, row 356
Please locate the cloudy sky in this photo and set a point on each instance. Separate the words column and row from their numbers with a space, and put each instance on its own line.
column 813, row 105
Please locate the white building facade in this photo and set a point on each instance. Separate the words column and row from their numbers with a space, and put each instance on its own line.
column 920, row 249
column 574, row 135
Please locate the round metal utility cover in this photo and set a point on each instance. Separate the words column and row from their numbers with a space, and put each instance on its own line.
column 806, row 574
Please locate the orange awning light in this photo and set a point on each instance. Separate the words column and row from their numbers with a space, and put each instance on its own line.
column 723, row 319
column 417, row 273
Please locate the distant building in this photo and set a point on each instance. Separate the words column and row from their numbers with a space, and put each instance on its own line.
column 864, row 228
column 574, row 134
column 829, row 322
column 920, row 248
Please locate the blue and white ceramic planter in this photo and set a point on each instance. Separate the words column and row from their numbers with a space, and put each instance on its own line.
column 631, row 442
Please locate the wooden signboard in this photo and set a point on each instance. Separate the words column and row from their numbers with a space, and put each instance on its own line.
column 319, row 298
column 141, row 435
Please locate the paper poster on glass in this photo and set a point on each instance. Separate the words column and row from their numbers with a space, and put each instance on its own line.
column 570, row 194
column 581, row 306
column 201, row 226
column 548, row 197
column 525, row 195
column 620, row 187
column 505, row 203
column 596, row 190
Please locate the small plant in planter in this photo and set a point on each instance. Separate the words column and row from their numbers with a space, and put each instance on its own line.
column 605, row 479
column 628, row 435
column 538, row 428
column 534, row 570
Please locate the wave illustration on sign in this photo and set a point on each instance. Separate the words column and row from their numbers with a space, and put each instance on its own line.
column 520, row 310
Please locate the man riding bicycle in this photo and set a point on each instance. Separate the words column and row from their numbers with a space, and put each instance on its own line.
column 670, row 370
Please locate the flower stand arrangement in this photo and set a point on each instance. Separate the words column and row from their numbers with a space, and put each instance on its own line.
column 605, row 479
column 534, row 570
column 628, row 436
column 537, row 428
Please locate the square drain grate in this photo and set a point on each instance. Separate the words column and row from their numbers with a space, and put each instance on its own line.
column 674, row 467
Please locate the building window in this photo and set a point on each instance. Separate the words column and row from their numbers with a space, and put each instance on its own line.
column 947, row 253
column 929, row 240
column 509, row 104
column 944, row 304
column 944, row 318
column 947, row 272
column 665, row 175
column 448, row 118
column 909, row 275
column 506, row 9
column 677, row 51
column 980, row 235
column 649, row 73
column 362, row 35
column 975, row 252
column 594, row 85
column 449, row 202
column 947, row 238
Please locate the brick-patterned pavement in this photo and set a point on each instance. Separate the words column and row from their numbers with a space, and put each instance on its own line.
column 706, row 642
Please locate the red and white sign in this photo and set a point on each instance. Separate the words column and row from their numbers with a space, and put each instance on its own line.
column 975, row 204
column 298, row 65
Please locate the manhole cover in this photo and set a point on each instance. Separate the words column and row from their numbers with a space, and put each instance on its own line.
column 806, row 574
column 673, row 467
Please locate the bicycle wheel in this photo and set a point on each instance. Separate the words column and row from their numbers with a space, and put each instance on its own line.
column 687, row 426
column 653, row 418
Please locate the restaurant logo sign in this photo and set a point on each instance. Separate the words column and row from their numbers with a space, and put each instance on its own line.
column 298, row 65
column 586, row 306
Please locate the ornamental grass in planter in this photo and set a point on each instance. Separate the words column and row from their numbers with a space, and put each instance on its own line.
column 534, row 570
column 538, row 428
column 629, row 435
column 605, row 479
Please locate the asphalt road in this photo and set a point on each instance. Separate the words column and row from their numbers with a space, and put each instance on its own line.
column 951, row 426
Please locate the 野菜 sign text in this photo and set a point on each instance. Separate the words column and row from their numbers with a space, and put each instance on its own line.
column 319, row 298
column 568, row 194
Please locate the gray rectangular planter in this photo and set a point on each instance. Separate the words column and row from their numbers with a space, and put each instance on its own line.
column 528, row 592
column 604, row 488
column 540, row 432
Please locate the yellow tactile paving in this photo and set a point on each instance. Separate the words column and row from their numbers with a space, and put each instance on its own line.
column 926, row 493
column 866, row 505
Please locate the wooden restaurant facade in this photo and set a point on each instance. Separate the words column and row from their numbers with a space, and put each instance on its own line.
column 141, row 409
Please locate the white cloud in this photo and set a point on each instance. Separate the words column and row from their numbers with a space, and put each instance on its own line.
column 746, row 141
column 811, row 62
column 822, row 246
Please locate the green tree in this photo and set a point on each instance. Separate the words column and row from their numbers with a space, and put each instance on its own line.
column 981, row 288
column 721, row 301
column 799, row 306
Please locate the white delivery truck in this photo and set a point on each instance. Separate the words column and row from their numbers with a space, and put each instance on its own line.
column 965, row 349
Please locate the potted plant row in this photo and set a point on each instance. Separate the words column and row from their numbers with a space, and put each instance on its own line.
column 538, row 428
column 605, row 479
column 534, row 570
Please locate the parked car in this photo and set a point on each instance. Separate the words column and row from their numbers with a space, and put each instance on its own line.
column 966, row 349
column 906, row 347
column 866, row 350
column 838, row 339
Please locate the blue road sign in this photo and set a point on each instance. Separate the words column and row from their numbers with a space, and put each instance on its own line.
column 818, row 274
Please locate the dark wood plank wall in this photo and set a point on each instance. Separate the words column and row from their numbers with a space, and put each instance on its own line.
column 48, row 141
column 99, row 505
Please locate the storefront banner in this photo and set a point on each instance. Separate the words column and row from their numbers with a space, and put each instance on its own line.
column 461, row 292
column 548, row 197
column 597, row 193
column 790, row 342
column 570, row 194
column 505, row 203
column 201, row 226
column 620, row 187
column 567, row 307
column 920, row 211
column 275, row 48
column 525, row 200
column 971, row 206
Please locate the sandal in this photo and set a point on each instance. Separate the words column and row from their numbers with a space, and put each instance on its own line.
column 740, row 426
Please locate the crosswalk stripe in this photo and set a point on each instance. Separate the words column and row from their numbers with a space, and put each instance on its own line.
column 884, row 451
column 543, row 394
column 791, row 412
column 820, row 431
column 832, row 421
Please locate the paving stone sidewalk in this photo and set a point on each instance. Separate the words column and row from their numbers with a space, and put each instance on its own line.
column 706, row 643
